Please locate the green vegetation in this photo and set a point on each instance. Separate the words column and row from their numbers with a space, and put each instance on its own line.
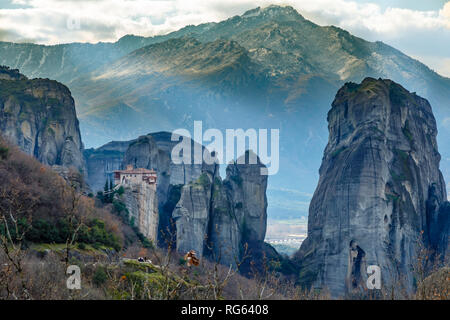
column 17, row 91
column 217, row 187
column 407, row 133
column 100, row 276
column 94, row 232
column 3, row 152
column 398, row 95
column 120, row 209
column 145, row 242
column 149, row 281
column 107, row 196
column 392, row 197
column 283, row 265
column 351, row 86
column 203, row 180
column 335, row 153
column 307, row 277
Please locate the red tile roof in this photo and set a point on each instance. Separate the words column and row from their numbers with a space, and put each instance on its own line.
column 136, row 171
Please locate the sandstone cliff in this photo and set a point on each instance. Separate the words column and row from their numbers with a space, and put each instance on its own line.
column 224, row 220
column 379, row 187
column 192, row 215
column 142, row 204
column 39, row 116
column 101, row 162
column 152, row 151
column 197, row 210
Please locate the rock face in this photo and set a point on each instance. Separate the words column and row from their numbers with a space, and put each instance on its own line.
column 197, row 210
column 379, row 187
column 10, row 74
column 192, row 214
column 142, row 204
column 152, row 151
column 101, row 163
column 220, row 218
column 39, row 116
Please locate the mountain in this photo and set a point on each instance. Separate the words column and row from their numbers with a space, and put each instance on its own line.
column 267, row 68
column 39, row 116
column 380, row 188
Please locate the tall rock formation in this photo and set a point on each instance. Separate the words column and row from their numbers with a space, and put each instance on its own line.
column 39, row 116
column 197, row 210
column 379, row 187
column 192, row 215
column 142, row 204
column 152, row 151
column 224, row 220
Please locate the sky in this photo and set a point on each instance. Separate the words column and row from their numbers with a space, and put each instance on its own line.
column 419, row 28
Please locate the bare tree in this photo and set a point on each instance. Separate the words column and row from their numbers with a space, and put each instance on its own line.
column 16, row 209
column 426, row 262
column 71, row 200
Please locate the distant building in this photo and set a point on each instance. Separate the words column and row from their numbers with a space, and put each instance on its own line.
column 131, row 176
column 140, row 198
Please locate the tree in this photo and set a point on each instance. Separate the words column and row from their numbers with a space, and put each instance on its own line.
column 72, row 210
column 16, row 207
column 111, row 187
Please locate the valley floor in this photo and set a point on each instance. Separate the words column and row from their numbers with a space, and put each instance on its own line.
column 286, row 236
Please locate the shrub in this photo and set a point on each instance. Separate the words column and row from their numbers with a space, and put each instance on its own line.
column 99, row 276
column 204, row 180
column 94, row 232
column 3, row 152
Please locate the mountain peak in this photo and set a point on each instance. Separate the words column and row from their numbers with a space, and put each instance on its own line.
column 274, row 11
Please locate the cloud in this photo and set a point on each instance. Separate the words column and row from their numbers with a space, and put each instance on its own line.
column 106, row 20
column 292, row 191
column 446, row 123
column 445, row 13
column 370, row 16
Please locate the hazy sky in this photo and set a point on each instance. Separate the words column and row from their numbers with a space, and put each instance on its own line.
column 420, row 28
